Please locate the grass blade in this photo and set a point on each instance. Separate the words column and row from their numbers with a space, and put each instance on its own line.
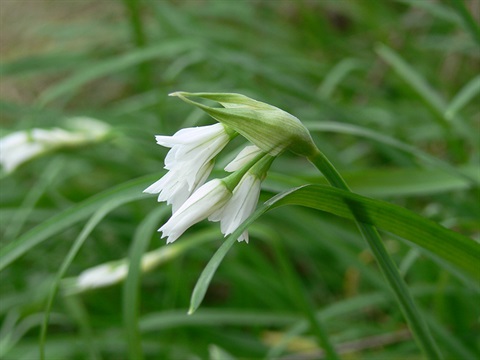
column 385, row 139
column 115, row 65
column 88, row 228
column 129, row 191
column 416, row 82
column 461, row 252
column 467, row 93
column 468, row 20
column 131, row 295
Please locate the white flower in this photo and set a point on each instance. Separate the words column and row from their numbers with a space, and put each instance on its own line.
column 173, row 187
column 216, row 201
column 203, row 203
column 243, row 158
column 189, row 161
column 241, row 205
column 102, row 275
column 115, row 271
column 21, row 146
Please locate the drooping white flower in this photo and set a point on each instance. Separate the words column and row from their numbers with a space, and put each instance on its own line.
column 113, row 272
column 173, row 187
column 230, row 200
column 241, row 205
column 243, row 158
column 204, row 202
column 189, row 161
column 102, row 275
column 21, row 146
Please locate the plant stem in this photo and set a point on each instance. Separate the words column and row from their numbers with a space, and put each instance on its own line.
column 389, row 269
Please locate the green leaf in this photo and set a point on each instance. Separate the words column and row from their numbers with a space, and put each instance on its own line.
column 131, row 293
column 451, row 246
column 415, row 80
column 385, row 139
column 431, row 97
column 336, row 75
column 470, row 23
column 454, row 248
column 115, row 65
column 74, row 249
column 129, row 191
column 466, row 94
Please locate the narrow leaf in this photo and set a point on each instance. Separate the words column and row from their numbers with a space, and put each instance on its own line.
column 129, row 191
column 458, row 250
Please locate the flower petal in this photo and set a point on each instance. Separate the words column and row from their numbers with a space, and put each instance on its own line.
column 243, row 158
column 241, row 205
column 203, row 202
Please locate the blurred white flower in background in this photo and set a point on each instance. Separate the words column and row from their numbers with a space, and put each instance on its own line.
column 102, row 275
column 22, row 146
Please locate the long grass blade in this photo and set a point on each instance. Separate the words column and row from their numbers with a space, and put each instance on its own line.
column 89, row 227
column 129, row 191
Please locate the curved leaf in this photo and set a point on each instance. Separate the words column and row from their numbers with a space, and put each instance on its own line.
column 459, row 251
column 129, row 191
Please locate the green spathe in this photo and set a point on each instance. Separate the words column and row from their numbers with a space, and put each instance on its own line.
column 268, row 127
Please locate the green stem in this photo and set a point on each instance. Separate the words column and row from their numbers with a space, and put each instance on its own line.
column 389, row 269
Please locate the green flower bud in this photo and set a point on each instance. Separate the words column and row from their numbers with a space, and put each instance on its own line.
column 268, row 127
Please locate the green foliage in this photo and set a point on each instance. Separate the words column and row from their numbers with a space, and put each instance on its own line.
column 389, row 93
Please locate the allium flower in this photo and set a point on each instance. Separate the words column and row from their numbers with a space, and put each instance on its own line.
column 21, row 146
column 174, row 188
column 189, row 161
column 203, row 203
column 241, row 205
column 243, row 158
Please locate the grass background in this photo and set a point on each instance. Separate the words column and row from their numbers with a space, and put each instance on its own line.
column 389, row 91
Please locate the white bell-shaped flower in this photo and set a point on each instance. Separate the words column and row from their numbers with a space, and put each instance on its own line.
column 241, row 205
column 243, row 158
column 204, row 202
column 189, row 161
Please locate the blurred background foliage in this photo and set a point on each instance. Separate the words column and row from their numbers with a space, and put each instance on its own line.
column 389, row 90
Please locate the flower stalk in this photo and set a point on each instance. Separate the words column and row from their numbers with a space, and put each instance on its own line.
column 387, row 266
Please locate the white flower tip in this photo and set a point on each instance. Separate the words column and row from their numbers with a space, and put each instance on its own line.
column 170, row 238
column 176, row 93
column 243, row 237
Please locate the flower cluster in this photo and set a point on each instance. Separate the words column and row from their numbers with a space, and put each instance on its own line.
column 189, row 162
column 233, row 199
